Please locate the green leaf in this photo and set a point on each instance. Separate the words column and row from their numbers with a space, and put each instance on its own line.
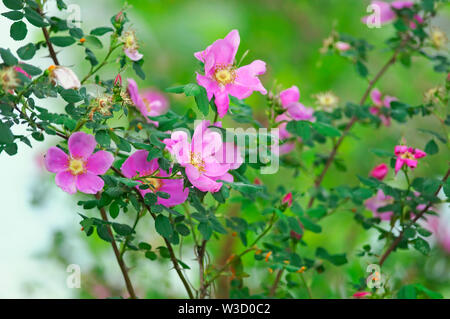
column 35, row 18
column 13, row 4
column 93, row 41
column 114, row 210
column 338, row 259
column 13, row 15
column 30, row 69
column 101, row 31
column 163, row 226
column 27, row 51
column 191, row 89
column 6, row 135
column 295, row 225
column 122, row 229
column 431, row 148
column 138, row 70
column 430, row 293
column 144, row 246
column 18, row 30
column 428, row 5
column 361, row 69
column 244, row 188
column 205, row 229
column 76, row 33
column 62, row 41
column 300, row 128
column 202, row 101
column 407, row 292
column 326, row 129
column 447, row 188
column 422, row 245
column 176, row 89
column 71, row 95
column 103, row 233
column 102, row 137
column 317, row 212
column 381, row 153
column 309, row 225
column 182, row 229
column 150, row 255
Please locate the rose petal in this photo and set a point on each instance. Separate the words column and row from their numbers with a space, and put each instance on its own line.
column 56, row 160
column 81, row 145
column 99, row 162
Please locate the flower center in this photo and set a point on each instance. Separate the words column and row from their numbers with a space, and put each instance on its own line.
column 197, row 161
column 154, row 183
column 407, row 155
column 224, row 74
column 147, row 104
column 76, row 166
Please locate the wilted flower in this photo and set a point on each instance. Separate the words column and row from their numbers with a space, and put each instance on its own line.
column 380, row 171
column 101, row 105
column 434, row 95
column 407, row 156
column 149, row 171
column 222, row 77
column 438, row 38
column 130, row 45
column 64, row 77
column 207, row 159
column 8, row 79
column 378, row 103
column 149, row 103
column 327, row 101
column 79, row 170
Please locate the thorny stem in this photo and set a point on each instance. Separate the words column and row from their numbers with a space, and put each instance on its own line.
column 395, row 243
column 244, row 252
column 119, row 258
column 201, row 257
column 354, row 119
column 93, row 70
column 51, row 50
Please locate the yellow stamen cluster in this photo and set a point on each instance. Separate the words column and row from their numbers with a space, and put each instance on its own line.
column 147, row 103
column 407, row 155
column 224, row 74
column 76, row 166
column 129, row 40
column 154, row 183
column 197, row 161
column 101, row 105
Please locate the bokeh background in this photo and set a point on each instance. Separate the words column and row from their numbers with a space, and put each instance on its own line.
column 40, row 232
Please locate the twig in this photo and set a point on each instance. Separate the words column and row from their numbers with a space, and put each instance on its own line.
column 51, row 50
column 418, row 216
column 201, row 257
column 354, row 119
column 119, row 259
column 274, row 287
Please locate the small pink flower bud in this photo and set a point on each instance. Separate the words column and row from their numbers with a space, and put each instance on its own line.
column 287, row 199
column 343, row 46
column 118, row 80
column 380, row 171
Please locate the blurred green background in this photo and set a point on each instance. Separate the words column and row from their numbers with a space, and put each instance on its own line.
column 287, row 35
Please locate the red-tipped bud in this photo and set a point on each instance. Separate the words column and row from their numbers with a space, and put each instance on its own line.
column 257, row 181
column 118, row 80
column 287, row 199
column 380, row 171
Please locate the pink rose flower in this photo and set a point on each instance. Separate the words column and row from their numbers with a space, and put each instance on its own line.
column 206, row 158
column 137, row 164
column 222, row 77
column 149, row 103
column 387, row 14
column 296, row 110
column 378, row 201
column 79, row 170
column 378, row 103
column 407, row 156
column 380, row 171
